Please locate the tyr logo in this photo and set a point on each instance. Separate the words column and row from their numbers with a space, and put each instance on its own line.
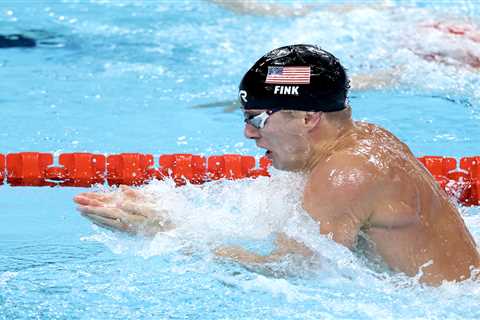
column 243, row 95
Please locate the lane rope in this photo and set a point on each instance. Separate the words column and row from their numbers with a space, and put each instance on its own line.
column 460, row 179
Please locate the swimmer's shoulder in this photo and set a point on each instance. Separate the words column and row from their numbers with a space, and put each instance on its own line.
column 344, row 184
column 372, row 131
column 374, row 140
column 345, row 171
column 366, row 158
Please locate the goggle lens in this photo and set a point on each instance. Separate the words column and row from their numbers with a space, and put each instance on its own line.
column 259, row 120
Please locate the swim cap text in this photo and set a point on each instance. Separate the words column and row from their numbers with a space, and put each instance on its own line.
column 291, row 90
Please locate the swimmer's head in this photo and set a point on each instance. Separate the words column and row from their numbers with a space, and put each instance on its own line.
column 297, row 77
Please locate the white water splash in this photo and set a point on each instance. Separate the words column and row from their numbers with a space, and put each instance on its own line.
column 7, row 276
column 376, row 40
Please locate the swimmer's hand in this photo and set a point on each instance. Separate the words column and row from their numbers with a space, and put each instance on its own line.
column 127, row 210
column 284, row 246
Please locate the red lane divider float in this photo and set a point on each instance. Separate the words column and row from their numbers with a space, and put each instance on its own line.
column 471, row 165
column 463, row 184
column 2, row 168
column 87, row 169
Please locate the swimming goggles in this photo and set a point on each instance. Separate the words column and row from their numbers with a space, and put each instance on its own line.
column 259, row 120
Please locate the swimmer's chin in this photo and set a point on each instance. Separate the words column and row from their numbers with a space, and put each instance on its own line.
column 268, row 154
column 283, row 166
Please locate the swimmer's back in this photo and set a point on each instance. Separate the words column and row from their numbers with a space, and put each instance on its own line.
column 412, row 220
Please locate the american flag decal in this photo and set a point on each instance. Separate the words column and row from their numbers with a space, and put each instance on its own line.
column 288, row 75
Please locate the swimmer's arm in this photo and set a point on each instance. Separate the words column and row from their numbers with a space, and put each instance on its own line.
column 381, row 79
column 284, row 246
column 228, row 105
column 340, row 196
column 274, row 9
column 264, row 9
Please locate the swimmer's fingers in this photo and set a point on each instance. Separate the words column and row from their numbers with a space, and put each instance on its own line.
column 133, row 208
column 112, row 218
column 101, row 199
column 113, row 213
column 140, row 209
column 131, row 193
column 149, row 220
column 111, row 224
column 128, row 191
column 85, row 201
column 105, row 212
column 95, row 197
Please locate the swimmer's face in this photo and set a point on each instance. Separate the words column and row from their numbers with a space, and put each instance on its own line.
column 284, row 136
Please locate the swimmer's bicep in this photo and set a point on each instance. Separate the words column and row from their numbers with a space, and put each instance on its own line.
column 343, row 229
column 345, row 221
column 341, row 202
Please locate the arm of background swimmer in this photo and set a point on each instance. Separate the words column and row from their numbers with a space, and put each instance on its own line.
column 377, row 80
column 228, row 105
column 284, row 246
column 265, row 9
column 340, row 196
column 274, row 9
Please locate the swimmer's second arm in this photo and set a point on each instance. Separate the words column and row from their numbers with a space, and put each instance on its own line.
column 260, row 8
column 380, row 79
column 127, row 210
column 284, row 246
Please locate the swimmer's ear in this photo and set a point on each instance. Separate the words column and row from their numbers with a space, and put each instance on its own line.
column 311, row 119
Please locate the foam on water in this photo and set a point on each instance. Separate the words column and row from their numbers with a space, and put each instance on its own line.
column 249, row 212
column 392, row 41
column 218, row 211
column 6, row 276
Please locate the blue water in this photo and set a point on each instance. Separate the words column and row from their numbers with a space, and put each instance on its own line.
column 129, row 76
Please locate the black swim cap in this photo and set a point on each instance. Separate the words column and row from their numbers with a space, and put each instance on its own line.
column 297, row 77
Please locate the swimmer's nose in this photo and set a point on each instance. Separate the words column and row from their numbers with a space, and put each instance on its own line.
column 251, row 132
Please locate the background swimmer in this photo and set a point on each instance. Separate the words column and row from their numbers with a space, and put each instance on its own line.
column 451, row 44
column 453, row 41
column 16, row 41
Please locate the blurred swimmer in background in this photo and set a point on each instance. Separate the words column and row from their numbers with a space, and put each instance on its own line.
column 450, row 41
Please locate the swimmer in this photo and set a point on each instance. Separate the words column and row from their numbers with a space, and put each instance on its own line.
column 451, row 41
column 454, row 42
column 16, row 41
column 362, row 181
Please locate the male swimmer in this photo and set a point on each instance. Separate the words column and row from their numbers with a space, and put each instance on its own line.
column 16, row 41
column 450, row 41
column 361, row 180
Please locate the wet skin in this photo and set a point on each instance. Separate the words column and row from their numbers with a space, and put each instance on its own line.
column 363, row 181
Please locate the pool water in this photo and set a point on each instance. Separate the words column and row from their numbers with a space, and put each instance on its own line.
column 158, row 77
